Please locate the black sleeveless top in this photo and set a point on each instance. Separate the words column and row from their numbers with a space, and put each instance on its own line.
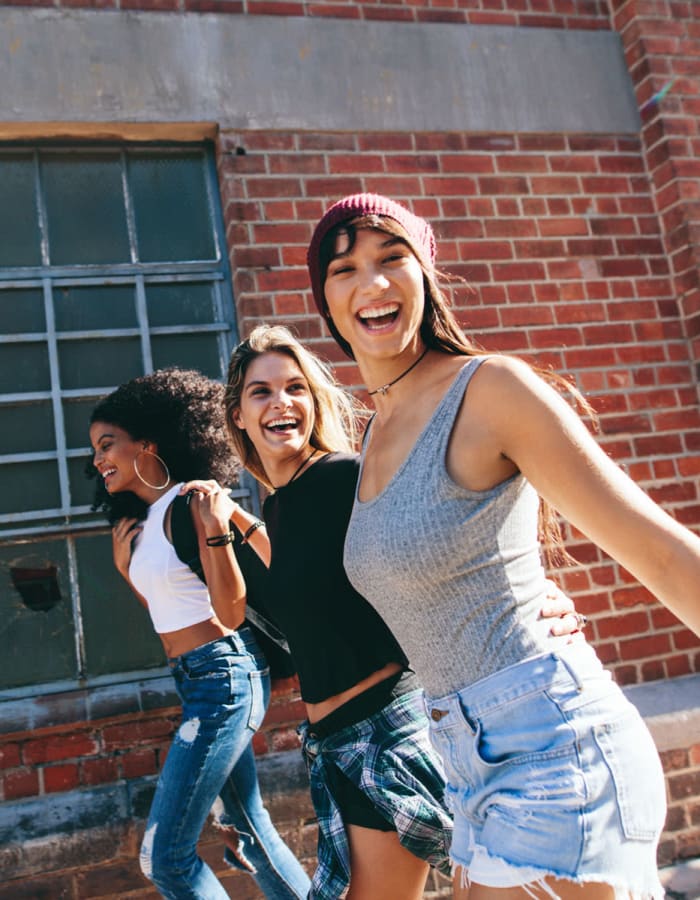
column 335, row 637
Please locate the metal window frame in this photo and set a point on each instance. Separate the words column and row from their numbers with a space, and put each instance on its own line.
column 69, row 521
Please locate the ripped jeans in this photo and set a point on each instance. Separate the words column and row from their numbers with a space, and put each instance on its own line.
column 224, row 687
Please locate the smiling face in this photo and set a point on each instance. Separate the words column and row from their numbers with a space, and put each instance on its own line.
column 277, row 412
column 114, row 454
column 374, row 291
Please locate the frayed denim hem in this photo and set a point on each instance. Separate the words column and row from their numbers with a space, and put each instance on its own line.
column 494, row 871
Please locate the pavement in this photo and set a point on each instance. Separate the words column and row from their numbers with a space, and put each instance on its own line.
column 682, row 881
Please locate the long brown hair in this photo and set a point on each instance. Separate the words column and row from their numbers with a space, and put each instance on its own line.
column 440, row 330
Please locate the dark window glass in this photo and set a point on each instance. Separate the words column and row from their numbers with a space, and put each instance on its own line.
column 20, row 241
column 26, row 427
column 29, row 486
column 21, row 309
column 38, row 637
column 76, row 414
column 85, row 208
column 24, row 367
column 82, row 489
column 186, row 303
column 94, row 307
column 99, row 362
column 171, row 207
column 118, row 632
column 194, row 351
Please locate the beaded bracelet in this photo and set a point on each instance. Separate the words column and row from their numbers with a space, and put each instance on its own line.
column 221, row 540
column 258, row 523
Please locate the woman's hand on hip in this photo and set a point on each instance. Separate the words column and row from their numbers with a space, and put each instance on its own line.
column 561, row 609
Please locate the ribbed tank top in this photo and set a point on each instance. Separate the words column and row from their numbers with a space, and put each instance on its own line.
column 456, row 574
column 176, row 597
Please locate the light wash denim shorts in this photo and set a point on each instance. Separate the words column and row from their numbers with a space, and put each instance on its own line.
column 551, row 771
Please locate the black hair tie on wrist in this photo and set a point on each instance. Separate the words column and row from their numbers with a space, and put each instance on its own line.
column 221, row 540
column 258, row 523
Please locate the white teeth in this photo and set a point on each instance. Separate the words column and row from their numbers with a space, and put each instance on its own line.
column 376, row 312
column 280, row 423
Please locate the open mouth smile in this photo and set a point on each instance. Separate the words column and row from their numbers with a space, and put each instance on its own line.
column 376, row 318
column 282, row 424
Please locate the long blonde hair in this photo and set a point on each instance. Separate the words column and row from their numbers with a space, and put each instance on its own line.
column 337, row 414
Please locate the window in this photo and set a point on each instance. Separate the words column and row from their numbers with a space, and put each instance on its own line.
column 111, row 265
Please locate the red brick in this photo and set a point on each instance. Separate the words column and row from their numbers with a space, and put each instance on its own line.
column 99, row 771
column 521, row 271
column 51, row 749
column 19, row 783
column 638, row 648
column 503, row 185
column 9, row 756
column 685, row 785
column 132, row 734
column 60, row 778
column 622, row 625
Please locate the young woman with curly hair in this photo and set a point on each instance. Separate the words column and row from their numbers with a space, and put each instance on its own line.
column 148, row 436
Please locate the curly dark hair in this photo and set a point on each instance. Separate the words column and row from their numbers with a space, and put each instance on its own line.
column 182, row 411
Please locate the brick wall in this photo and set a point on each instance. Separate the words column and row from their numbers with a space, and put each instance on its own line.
column 681, row 839
column 588, row 14
column 562, row 246
column 662, row 48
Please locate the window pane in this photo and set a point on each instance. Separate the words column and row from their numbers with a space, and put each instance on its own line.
column 180, row 304
column 20, row 244
column 98, row 363
column 21, row 310
column 76, row 414
column 189, row 351
column 170, row 206
column 118, row 631
column 29, row 485
column 85, row 208
column 95, row 306
column 26, row 428
column 36, row 620
column 82, row 488
column 24, row 367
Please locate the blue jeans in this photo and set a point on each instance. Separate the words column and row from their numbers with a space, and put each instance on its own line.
column 224, row 687
column 551, row 771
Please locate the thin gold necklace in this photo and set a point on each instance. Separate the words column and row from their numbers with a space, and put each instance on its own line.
column 385, row 387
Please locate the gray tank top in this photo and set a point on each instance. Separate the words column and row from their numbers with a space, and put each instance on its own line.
column 456, row 574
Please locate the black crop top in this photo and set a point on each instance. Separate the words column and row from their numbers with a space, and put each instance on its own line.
column 336, row 638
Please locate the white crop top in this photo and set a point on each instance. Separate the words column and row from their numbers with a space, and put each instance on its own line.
column 176, row 597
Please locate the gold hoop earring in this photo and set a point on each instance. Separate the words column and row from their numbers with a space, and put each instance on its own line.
column 154, row 487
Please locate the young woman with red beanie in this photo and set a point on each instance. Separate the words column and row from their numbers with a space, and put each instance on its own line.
column 553, row 779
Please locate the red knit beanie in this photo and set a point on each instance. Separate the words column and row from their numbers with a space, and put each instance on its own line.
column 417, row 229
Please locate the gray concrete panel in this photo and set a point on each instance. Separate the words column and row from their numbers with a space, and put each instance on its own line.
column 671, row 709
column 260, row 72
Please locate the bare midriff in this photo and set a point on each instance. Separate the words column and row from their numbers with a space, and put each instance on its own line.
column 177, row 643
column 317, row 711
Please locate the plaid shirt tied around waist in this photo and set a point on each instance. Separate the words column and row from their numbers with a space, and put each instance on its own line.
column 388, row 756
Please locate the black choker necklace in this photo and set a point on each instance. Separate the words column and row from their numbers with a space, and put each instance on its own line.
column 299, row 468
column 385, row 387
